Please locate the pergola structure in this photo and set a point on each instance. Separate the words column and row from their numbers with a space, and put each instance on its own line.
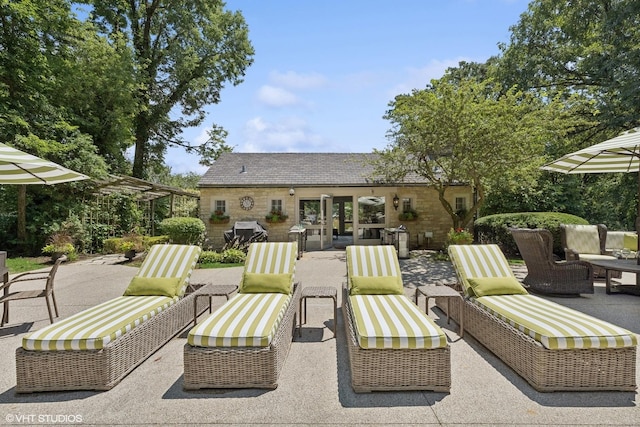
column 144, row 192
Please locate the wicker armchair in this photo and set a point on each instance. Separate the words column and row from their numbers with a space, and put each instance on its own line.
column 545, row 275
column 586, row 243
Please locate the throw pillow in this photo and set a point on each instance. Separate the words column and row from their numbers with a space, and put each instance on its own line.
column 376, row 285
column 484, row 286
column 161, row 286
column 259, row 283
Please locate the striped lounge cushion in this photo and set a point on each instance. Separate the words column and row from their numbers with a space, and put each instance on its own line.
column 246, row 320
column 94, row 328
column 555, row 326
column 393, row 321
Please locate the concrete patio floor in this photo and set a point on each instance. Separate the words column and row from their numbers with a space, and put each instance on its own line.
column 314, row 387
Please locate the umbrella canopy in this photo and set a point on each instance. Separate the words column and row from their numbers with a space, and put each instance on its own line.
column 619, row 154
column 18, row 167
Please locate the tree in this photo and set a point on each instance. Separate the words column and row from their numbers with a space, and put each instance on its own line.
column 583, row 46
column 185, row 52
column 456, row 133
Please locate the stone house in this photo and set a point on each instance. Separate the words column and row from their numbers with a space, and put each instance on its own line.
column 306, row 188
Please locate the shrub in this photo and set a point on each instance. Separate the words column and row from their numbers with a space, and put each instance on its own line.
column 233, row 256
column 186, row 231
column 210, row 257
column 495, row 228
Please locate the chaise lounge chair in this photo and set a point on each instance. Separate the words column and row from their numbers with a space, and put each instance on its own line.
column 245, row 342
column 552, row 347
column 392, row 344
column 96, row 348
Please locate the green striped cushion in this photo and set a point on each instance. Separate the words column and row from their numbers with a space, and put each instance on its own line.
column 274, row 258
column 471, row 261
column 171, row 261
column 246, row 320
column 556, row 326
column 373, row 261
column 393, row 321
column 94, row 328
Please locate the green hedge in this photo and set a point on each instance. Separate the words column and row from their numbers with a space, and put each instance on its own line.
column 185, row 231
column 495, row 228
column 229, row 256
column 111, row 245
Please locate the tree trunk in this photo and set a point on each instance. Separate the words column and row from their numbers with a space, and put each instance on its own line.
column 142, row 140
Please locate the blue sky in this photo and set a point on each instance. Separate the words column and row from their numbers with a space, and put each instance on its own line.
column 325, row 71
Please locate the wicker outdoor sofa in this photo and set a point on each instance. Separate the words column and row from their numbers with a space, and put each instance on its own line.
column 415, row 354
column 244, row 343
column 73, row 354
column 569, row 351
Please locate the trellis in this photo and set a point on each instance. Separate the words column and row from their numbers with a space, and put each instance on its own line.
column 146, row 194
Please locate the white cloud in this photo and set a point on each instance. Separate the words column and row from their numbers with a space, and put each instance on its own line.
column 290, row 134
column 293, row 80
column 418, row 78
column 277, row 97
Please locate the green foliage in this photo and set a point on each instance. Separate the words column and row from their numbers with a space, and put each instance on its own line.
column 229, row 256
column 495, row 228
column 459, row 236
column 408, row 215
column 188, row 231
column 464, row 132
column 176, row 73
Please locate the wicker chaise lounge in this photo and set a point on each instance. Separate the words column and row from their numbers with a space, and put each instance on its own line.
column 552, row 347
column 96, row 348
column 245, row 342
column 414, row 353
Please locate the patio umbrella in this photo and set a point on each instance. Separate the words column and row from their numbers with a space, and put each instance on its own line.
column 18, row 167
column 619, row 154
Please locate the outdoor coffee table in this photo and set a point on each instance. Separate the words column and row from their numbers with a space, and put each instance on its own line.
column 210, row 290
column 318, row 292
column 441, row 292
column 622, row 265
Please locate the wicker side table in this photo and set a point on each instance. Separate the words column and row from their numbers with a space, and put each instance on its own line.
column 210, row 290
column 318, row 292
column 442, row 292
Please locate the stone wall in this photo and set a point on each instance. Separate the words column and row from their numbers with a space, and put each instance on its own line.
column 431, row 215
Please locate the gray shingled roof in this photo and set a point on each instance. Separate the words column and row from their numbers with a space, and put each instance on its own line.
column 284, row 169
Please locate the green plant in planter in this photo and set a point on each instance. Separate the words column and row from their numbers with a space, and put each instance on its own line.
column 408, row 215
column 219, row 217
column 459, row 236
column 60, row 244
column 131, row 244
column 276, row 216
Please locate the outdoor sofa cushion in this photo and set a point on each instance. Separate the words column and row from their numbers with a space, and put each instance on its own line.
column 94, row 328
column 393, row 321
column 584, row 239
column 246, row 320
column 555, row 326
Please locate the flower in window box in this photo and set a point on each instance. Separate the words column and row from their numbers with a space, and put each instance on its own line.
column 276, row 216
column 218, row 217
column 408, row 215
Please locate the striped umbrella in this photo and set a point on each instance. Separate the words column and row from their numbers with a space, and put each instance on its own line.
column 18, row 167
column 619, row 154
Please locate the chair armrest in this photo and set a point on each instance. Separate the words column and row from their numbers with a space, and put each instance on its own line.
column 571, row 255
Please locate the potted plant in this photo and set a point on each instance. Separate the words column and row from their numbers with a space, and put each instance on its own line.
column 131, row 244
column 218, row 217
column 276, row 216
column 59, row 244
column 459, row 236
column 408, row 215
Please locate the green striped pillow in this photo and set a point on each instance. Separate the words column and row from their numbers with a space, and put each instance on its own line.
column 94, row 328
column 246, row 320
column 556, row 326
column 393, row 321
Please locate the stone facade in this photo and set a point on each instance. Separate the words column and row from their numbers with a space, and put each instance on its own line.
column 424, row 200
